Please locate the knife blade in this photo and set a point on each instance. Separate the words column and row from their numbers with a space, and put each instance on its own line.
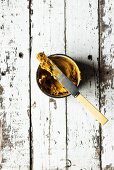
column 69, row 85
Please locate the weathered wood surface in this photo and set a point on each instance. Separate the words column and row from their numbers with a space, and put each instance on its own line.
column 63, row 134
column 48, row 114
column 14, row 85
column 83, row 135
column 107, row 81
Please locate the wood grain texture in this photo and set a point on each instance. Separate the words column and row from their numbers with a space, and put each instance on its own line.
column 107, row 80
column 82, row 45
column 14, row 84
column 48, row 114
column 64, row 135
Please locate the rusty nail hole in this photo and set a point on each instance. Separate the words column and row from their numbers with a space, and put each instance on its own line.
column 68, row 163
column 21, row 55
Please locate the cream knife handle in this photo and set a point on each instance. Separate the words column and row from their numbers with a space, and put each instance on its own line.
column 99, row 116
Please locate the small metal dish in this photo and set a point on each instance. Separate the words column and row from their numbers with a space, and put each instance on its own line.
column 40, row 71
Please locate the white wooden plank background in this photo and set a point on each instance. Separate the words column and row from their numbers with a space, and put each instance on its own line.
column 14, row 84
column 82, row 45
column 63, row 134
column 48, row 116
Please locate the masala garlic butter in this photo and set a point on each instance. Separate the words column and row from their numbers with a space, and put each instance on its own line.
column 46, row 76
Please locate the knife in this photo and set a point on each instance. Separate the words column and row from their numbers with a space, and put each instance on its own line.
column 69, row 85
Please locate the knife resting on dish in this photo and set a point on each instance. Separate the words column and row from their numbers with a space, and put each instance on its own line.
column 47, row 64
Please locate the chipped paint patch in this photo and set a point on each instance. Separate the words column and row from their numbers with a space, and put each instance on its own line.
column 28, row 112
column 6, row 133
column 1, row 90
column 108, row 167
column 54, row 101
column 34, row 104
column 96, row 143
column 90, row 5
column 105, row 26
column 106, row 78
column 1, row 98
column 0, row 141
column 1, row 103
column 44, row 1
